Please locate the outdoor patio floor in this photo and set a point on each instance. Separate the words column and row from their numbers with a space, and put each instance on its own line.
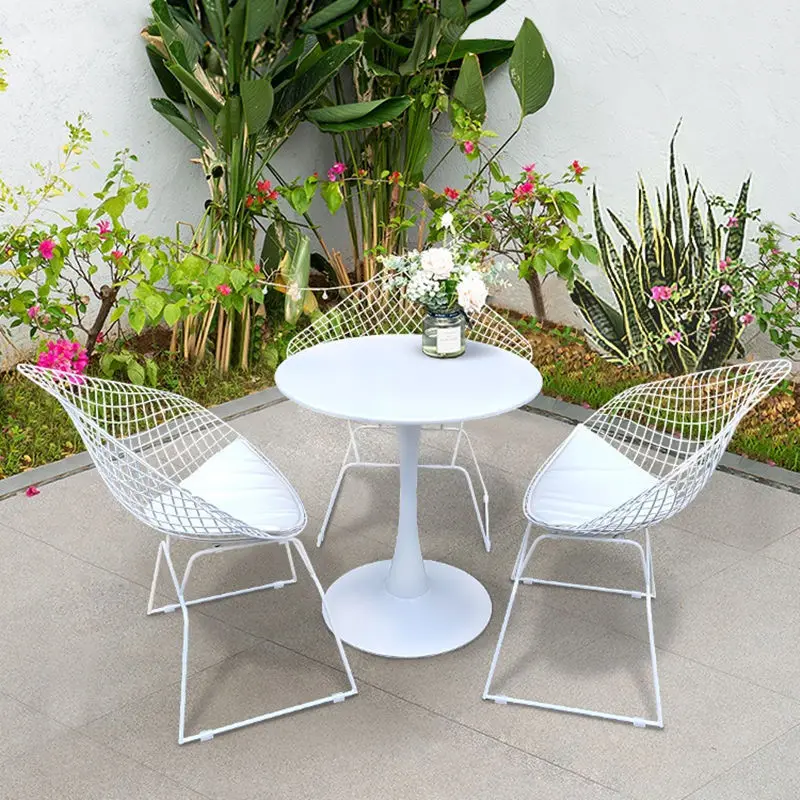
column 89, row 683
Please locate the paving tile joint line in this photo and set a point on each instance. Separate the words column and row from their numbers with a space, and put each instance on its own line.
column 258, row 401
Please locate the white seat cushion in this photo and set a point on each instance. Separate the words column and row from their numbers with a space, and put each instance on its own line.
column 238, row 482
column 588, row 478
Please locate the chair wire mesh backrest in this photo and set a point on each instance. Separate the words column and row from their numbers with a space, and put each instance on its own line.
column 144, row 442
column 677, row 430
column 380, row 307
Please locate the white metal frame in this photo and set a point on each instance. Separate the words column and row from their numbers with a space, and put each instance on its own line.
column 144, row 442
column 380, row 307
column 677, row 430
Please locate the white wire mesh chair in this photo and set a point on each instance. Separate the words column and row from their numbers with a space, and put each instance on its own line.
column 637, row 461
column 381, row 307
column 183, row 471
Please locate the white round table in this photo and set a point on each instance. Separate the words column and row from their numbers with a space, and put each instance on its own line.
column 407, row 607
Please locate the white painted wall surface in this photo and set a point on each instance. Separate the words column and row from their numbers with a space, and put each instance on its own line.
column 626, row 71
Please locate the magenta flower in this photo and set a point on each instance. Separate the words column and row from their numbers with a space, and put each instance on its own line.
column 224, row 289
column 732, row 222
column 117, row 254
column 104, row 227
column 65, row 356
column 522, row 191
column 793, row 284
column 659, row 293
column 31, row 491
column 451, row 193
column 724, row 263
column 336, row 170
column 33, row 311
column 469, row 148
column 674, row 337
column 529, row 168
column 747, row 318
column 725, row 289
column 46, row 247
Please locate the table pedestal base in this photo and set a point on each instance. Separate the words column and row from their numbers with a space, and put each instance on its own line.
column 451, row 613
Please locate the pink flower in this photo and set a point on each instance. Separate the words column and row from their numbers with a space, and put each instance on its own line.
column 32, row 491
column 584, row 404
column 336, row 170
column 101, row 337
column 488, row 217
column 747, row 318
column 770, row 462
column 724, row 263
column 469, row 148
column 32, row 312
column 522, row 191
column 63, row 355
column 224, row 289
column 659, row 293
column 104, row 227
column 46, row 247
column 117, row 254
column 264, row 186
column 256, row 268
column 725, row 289
column 451, row 193
column 674, row 337
column 793, row 284
column 577, row 168
column 732, row 222
column 529, row 168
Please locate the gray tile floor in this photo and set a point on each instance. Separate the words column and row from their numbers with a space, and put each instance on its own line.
column 88, row 683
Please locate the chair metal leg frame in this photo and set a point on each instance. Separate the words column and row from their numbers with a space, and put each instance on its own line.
column 356, row 461
column 183, row 604
column 523, row 558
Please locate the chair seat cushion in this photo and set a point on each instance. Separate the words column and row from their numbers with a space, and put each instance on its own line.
column 587, row 479
column 237, row 481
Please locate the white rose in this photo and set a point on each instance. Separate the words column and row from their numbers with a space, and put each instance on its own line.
column 437, row 262
column 472, row 293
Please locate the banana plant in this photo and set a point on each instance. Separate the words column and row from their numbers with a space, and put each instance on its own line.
column 238, row 78
column 413, row 67
column 672, row 310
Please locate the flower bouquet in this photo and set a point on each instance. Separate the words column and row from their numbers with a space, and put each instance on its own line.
column 450, row 285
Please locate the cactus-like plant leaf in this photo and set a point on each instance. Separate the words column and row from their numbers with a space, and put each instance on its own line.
column 735, row 241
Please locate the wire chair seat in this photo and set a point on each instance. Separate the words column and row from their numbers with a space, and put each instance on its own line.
column 381, row 307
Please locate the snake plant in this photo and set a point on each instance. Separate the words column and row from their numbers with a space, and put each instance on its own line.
column 672, row 312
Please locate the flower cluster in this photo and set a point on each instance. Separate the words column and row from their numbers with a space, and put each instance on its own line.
column 264, row 194
column 336, row 171
column 439, row 280
column 65, row 356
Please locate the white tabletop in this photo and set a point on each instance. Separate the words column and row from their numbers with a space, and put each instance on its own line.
column 389, row 380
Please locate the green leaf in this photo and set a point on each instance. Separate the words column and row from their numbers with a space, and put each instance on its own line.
column 154, row 304
column 140, row 199
column 238, row 278
column 82, row 216
column 299, row 200
column 260, row 16
column 257, row 102
column 491, row 52
column 590, row 253
column 735, row 240
column 468, row 90
column 293, row 97
column 114, row 206
column 332, row 195
column 295, row 269
column 333, row 15
column 480, row 8
column 171, row 113
column 151, row 372
column 208, row 102
column 136, row 318
column 136, row 373
column 172, row 313
column 169, row 83
column 425, row 40
column 215, row 14
column 116, row 314
column 531, row 69
column 356, row 116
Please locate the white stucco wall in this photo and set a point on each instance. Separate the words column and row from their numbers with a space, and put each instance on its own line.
column 626, row 71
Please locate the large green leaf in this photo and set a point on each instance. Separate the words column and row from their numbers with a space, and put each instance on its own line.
column 169, row 83
column 468, row 90
column 260, row 15
column 333, row 15
column 491, row 52
column 425, row 41
column 170, row 112
column 257, row 101
column 195, row 89
column 480, row 8
column 606, row 322
column 531, row 69
column 356, row 116
column 735, row 241
column 293, row 97
column 215, row 11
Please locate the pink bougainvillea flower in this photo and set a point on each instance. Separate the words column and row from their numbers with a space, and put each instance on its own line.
column 336, row 170
column 747, row 318
column 117, row 254
column 395, row 177
column 451, row 193
column 224, row 289
column 724, row 263
column 674, row 337
column 529, row 168
column 732, row 222
column 577, row 168
column 469, row 148
column 793, row 284
column 256, row 268
column 775, row 251
column 273, row 195
column 659, row 293
column 488, row 217
column 46, row 247
column 264, row 186
column 725, row 289
column 32, row 491
column 33, row 311
column 522, row 191
column 104, row 227
column 249, row 200
column 63, row 355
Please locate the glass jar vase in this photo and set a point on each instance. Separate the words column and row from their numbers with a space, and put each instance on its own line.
column 443, row 333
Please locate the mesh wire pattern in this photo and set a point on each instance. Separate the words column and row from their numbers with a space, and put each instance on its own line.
column 144, row 442
column 380, row 307
column 677, row 430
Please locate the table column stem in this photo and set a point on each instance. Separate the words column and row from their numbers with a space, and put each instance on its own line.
column 407, row 576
